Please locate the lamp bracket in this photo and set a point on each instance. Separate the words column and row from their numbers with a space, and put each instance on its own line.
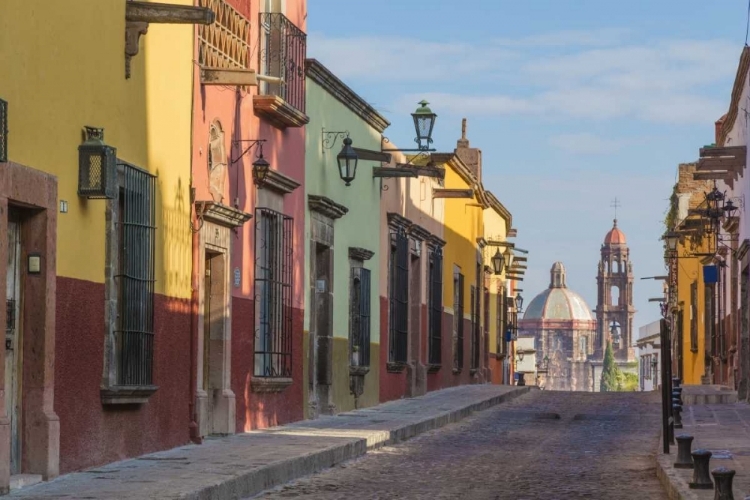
column 329, row 137
column 412, row 150
column 253, row 143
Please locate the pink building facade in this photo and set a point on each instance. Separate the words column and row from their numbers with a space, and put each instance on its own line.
column 248, row 222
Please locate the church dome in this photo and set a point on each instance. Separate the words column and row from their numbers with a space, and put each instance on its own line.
column 558, row 302
column 614, row 236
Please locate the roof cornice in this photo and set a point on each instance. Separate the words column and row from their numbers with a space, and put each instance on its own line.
column 499, row 208
column 739, row 85
column 321, row 75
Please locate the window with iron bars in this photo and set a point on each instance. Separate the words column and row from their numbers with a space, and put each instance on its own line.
column 135, row 277
column 500, row 320
column 458, row 321
column 435, row 306
column 273, row 293
column 283, row 48
column 3, row 131
column 359, row 315
column 399, row 296
column 694, row 316
column 475, row 327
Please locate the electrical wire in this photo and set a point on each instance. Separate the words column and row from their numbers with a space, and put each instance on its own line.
column 747, row 27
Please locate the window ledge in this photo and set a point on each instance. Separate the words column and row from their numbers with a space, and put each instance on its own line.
column 359, row 370
column 434, row 368
column 473, row 372
column 456, row 371
column 127, row 394
column 269, row 384
column 279, row 112
column 396, row 367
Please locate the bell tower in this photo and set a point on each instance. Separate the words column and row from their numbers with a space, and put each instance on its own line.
column 614, row 308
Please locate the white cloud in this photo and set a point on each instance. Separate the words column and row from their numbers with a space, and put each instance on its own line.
column 586, row 143
column 597, row 76
column 591, row 38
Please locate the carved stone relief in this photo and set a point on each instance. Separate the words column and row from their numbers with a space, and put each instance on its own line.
column 217, row 162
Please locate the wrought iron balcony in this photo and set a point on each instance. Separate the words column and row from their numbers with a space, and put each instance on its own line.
column 283, row 48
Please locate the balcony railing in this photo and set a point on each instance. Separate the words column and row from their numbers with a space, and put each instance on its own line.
column 283, row 48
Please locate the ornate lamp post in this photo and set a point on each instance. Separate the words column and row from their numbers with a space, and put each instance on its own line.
column 498, row 262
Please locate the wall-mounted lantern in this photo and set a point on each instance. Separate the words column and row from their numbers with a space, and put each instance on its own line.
column 672, row 238
column 498, row 262
column 97, row 166
column 519, row 303
column 260, row 165
column 347, row 160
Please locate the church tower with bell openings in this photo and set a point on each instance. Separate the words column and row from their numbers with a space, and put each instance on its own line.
column 614, row 308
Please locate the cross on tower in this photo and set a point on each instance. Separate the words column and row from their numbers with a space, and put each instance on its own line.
column 615, row 204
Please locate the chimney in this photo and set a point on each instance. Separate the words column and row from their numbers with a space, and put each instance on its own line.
column 472, row 157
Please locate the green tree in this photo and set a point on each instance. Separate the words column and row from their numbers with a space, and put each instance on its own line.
column 609, row 381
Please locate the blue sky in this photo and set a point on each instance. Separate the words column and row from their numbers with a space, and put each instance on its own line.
column 573, row 103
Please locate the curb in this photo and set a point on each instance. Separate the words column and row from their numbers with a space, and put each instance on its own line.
column 259, row 480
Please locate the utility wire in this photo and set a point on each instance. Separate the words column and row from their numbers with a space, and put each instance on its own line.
column 747, row 27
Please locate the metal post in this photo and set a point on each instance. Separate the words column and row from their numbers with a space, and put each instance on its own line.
column 668, row 363
column 684, row 459
column 701, row 477
column 723, row 483
column 664, row 387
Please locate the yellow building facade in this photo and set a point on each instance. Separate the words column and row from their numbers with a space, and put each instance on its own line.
column 96, row 264
column 497, row 222
column 689, row 304
column 463, row 270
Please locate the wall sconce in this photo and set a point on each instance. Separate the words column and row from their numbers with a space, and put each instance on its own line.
column 347, row 158
column 97, row 166
column 498, row 262
column 260, row 165
column 520, row 355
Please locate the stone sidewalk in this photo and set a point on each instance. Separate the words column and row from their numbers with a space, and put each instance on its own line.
column 724, row 429
column 243, row 465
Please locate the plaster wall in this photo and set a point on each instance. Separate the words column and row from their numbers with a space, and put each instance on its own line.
column 358, row 228
column 233, row 108
column 495, row 229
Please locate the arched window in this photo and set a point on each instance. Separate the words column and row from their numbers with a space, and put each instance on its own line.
column 614, row 296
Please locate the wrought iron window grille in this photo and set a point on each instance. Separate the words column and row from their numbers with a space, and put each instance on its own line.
column 3, row 131
column 360, row 317
column 136, row 229
column 458, row 321
column 399, row 296
column 435, row 305
column 10, row 316
column 283, row 48
column 274, row 271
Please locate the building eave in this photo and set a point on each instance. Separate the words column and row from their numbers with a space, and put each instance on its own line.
column 321, row 75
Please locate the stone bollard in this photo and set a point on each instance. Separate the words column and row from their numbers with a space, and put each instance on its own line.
column 684, row 460
column 701, row 477
column 723, row 483
column 677, row 411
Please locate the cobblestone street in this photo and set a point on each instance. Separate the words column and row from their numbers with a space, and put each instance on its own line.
column 546, row 444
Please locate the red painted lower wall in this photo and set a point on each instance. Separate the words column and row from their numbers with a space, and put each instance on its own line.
column 393, row 385
column 255, row 410
column 91, row 434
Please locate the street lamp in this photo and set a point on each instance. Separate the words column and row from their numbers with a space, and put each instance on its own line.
column 508, row 258
column 347, row 160
column 672, row 238
column 424, row 121
column 498, row 262
column 519, row 302
column 520, row 355
column 260, row 169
